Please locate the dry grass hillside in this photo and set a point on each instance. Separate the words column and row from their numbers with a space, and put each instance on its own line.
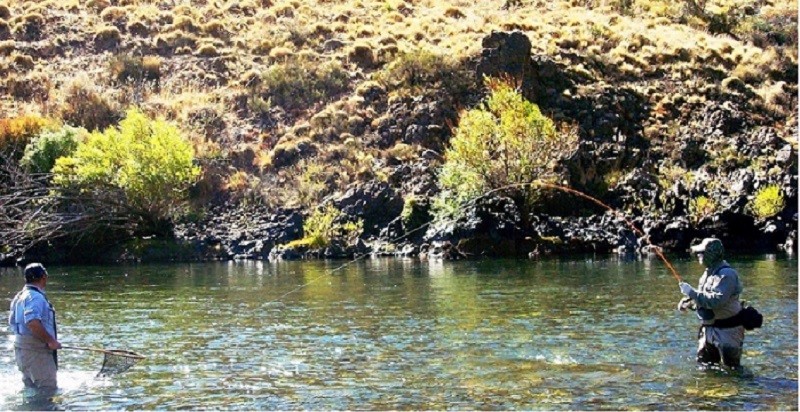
column 276, row 95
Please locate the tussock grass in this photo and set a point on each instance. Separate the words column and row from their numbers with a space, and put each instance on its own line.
column 327, row 68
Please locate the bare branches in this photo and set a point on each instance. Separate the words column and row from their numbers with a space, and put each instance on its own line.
column 32, row 212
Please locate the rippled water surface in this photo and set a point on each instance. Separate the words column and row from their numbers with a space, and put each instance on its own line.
column 408, row 334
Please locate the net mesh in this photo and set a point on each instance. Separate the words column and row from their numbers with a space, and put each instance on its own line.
column 116, row 361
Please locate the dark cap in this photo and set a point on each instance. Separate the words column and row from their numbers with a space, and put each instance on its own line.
column 34, row 272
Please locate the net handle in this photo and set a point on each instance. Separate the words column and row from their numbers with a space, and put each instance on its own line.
column 127, row 354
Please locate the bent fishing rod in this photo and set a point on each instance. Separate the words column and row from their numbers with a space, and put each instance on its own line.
column 656, row 249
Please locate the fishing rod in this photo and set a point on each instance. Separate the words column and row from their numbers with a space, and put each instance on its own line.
column 114, row 352
column 656, row 249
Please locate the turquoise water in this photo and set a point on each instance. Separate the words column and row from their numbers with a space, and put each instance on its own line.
column 591, row 333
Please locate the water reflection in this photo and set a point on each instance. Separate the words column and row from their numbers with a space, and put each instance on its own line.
column 406, row 334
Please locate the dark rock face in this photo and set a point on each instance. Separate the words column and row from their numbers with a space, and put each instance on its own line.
column 417, row 120
column 507, row 55
column 375, row 203
column 491, row 226
column 243, row 232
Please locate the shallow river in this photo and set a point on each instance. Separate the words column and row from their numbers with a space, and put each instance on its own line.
column 594, row 333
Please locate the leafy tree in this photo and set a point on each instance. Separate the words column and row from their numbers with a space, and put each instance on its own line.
column 141, row 170
column 505, row 143
column 701, row 207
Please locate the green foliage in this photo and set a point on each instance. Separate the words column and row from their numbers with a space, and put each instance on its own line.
column 298, row 83
column 768, row 202
column 323, row 226
column 701, row 207
column 776, row 28
column 506, row 141
column 415, row 213
column 311, row 185
column 147, row 161
column 43, row 150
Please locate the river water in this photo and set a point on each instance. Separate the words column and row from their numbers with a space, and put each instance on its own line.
column 554, row 334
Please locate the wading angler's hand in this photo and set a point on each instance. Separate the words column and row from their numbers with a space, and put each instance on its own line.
column 686, row 303
column 686, row 288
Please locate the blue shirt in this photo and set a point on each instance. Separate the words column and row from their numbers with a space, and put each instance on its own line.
column 29, row 304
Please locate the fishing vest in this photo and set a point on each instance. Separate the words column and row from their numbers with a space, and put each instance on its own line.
column 725, row 309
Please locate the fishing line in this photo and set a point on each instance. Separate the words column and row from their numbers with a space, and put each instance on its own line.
column 654, row 248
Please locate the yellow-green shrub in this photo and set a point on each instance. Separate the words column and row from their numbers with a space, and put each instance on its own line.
column 768, row 202
column 506, row 141
column 148, row 161
column 321, row 227
column 423, row 69
column 701, row 207
column 299, row 83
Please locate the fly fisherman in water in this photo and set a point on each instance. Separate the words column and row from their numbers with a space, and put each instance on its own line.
column 716, row 301
column 33, row 322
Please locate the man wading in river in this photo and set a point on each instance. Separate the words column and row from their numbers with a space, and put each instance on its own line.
column 716, row 301
column 33, row 322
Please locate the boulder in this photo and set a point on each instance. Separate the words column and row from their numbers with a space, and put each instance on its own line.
column 375, row 203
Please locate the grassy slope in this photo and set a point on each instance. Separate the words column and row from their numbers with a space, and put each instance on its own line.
column 208, row 54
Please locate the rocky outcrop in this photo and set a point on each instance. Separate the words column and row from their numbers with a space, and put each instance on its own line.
column 375, row 203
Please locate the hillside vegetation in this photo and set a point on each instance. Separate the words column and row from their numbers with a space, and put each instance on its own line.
column 288, row 105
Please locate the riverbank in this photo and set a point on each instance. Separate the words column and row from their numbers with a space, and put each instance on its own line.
column 683, row 122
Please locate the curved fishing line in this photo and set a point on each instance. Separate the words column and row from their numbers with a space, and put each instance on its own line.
column 655, row 249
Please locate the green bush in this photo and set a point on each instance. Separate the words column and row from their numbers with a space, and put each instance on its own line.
column 298, row 83
column 701, row 207
column 43, row 150
column 415, row 213
column 767, row 202
column 321, row 228
column 506, row 141
column 148, row 162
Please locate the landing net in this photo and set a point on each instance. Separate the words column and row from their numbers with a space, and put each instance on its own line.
column 116, row 361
